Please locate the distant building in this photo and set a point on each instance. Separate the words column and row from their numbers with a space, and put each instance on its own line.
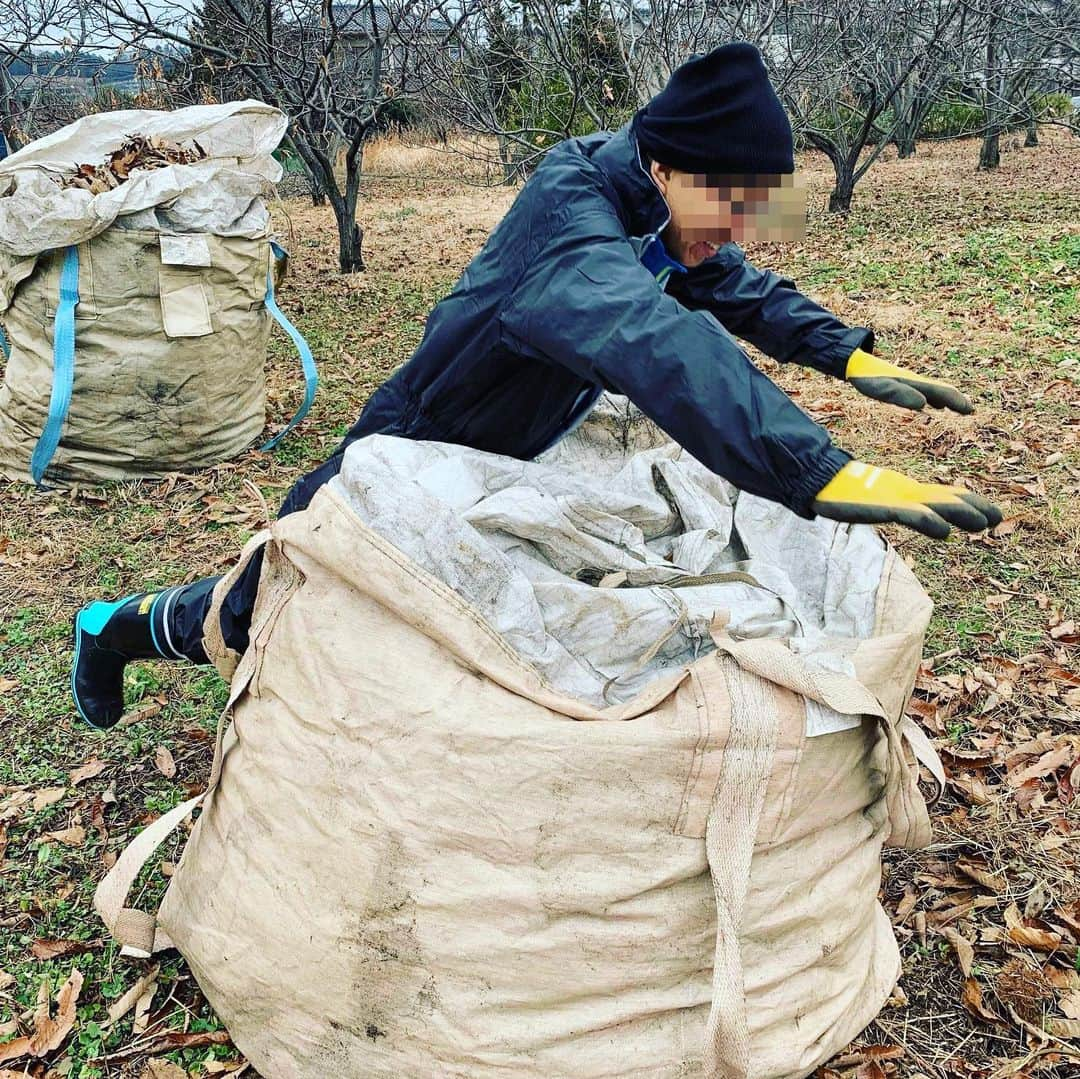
column 370, row 33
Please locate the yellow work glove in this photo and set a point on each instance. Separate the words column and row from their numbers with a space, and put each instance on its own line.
column 863, row 494
column 884, row 381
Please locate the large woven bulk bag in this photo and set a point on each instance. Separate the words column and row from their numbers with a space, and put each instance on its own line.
column 168, row 360
column 137, row 318
column 417, row 856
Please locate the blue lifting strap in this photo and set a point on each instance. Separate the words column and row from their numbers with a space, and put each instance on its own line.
column 63, row 366
column 311, row 375
column 4, row 346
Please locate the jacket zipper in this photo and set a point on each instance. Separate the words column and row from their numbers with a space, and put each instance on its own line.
column 652, row 237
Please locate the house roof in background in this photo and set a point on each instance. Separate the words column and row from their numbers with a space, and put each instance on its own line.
column 357, row 18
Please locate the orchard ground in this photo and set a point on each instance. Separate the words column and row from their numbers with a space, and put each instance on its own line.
column 967, row 276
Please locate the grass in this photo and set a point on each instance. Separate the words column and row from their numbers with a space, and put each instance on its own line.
column 968, row 277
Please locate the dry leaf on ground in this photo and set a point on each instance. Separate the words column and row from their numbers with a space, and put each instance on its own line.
column 48, row 796
column 93, row 767
column 162, row 1069
column 18, row 1047
column 981, row 875
column 11, row 807
column 141, row 1020
column 49, row 1031
column 167, row 1043
column 1070, row 1004
column 1029, row 936
column 1063, row 1028
column 163, row 761
column 973, row 788
column 213, row 1066
column 137, row 715
column 1047, row 763
column 973, row 1001
column 1062, row 979
column 74, row 836
column 46, row 948
column 965, row 950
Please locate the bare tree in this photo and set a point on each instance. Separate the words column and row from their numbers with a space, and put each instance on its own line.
column 335, row 69
column 846, row 68
column 1011, row 54
column 531, row 73
column 926, row 83
column 656, row 36
column 40, row 44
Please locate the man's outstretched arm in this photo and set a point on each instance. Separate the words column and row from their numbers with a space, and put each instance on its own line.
column 587, row 304
column 774, row 316
column 770, row 312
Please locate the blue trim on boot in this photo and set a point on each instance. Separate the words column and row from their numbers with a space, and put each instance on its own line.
column 95, row 616
column 75, row 666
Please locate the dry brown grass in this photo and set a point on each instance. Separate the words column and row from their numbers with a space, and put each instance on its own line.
column 461, row 158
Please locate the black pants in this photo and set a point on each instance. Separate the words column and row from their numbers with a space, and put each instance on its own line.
column 189, row 610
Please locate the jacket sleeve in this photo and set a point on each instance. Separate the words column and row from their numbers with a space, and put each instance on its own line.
column 586, row 303
column 769, row 311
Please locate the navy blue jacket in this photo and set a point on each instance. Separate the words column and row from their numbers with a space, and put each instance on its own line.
column 557, row 307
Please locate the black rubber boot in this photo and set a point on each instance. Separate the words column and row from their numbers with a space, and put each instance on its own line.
column 108, row 635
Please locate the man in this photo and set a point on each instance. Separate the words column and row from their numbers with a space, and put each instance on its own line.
column 612, row 270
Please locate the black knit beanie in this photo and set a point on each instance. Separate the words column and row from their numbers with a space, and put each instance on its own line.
column 718, row 114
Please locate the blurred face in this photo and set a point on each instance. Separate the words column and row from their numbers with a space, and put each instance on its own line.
column 709, row 211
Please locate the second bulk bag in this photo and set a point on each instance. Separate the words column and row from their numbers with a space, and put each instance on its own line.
column 137, row 315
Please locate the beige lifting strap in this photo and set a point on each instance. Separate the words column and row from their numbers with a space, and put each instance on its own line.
column 136, row 930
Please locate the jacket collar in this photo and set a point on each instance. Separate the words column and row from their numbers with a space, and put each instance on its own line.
column 645, row 210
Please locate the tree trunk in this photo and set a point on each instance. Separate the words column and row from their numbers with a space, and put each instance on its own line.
column 319, row 159
column 1032, row 138
column 840, row 200
column 350, row 245
column 318, row 195
column 840, row 197
column 350, row 234
column 905, row 146
column 990, row 154
column 506, row 159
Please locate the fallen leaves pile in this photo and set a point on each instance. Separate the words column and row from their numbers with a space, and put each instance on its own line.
column 36, row 1038
column 1000, row 889
column 139, row 152
column 988, row 917
column 49, row 1030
